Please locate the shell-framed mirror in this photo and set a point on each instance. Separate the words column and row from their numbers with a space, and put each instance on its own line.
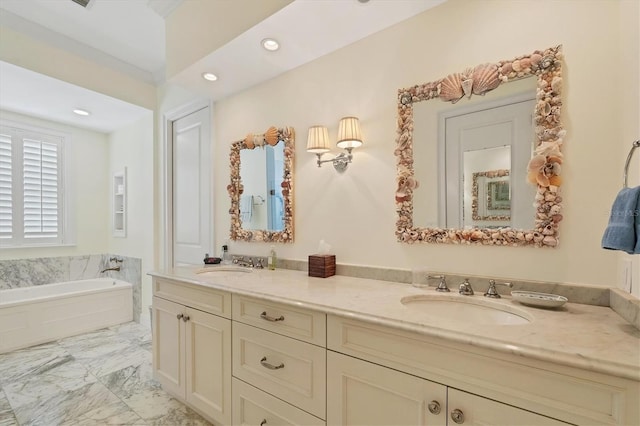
column 436, row 168
column 261, row 187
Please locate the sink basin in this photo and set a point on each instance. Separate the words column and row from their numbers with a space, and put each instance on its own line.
column 466, row 309
column 220, row 269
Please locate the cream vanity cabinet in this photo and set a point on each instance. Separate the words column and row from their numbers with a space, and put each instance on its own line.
column 279, row 364
column 192, row 346
column 378, row 375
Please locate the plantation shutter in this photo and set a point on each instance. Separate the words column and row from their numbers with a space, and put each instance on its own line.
column 6, row 203
column 41, row 185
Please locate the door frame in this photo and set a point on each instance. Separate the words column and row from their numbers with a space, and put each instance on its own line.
column 166, row 194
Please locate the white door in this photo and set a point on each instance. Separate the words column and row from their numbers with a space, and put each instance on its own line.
column 191, row 188
column 482, row 132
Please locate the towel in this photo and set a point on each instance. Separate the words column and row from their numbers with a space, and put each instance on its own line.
column 246, row 208
column 623, row 231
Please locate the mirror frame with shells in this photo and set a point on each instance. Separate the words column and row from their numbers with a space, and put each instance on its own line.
column 271, row 137
column 544, row 168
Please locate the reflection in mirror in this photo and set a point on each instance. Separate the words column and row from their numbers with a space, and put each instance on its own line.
column 441, row 146
column 261, row 187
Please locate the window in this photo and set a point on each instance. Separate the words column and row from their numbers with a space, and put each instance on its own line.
column 31, row 186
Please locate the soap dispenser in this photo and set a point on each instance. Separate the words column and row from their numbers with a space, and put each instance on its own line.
column 226, row 257
column 271, row 260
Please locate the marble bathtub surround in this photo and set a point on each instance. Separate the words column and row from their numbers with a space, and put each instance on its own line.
column 103, row 377
column 48, row 270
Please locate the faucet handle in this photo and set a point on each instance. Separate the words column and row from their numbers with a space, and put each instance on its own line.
column 492, row 292
column 465, row 288
column 442, row 285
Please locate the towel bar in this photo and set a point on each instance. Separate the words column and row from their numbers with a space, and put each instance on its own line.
column 634, row 145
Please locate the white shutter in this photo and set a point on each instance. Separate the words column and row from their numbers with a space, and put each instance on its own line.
column 6, row 204
column 41, row 183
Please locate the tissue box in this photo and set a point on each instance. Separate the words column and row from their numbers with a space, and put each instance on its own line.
column 322, row 265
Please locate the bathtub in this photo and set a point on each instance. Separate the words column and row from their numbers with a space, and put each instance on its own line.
column 43, row 313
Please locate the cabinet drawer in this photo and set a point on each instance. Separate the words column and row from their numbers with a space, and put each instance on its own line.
column 203, row 298
column 286, row 368
column 303, row 324
column 569, row 394
column 253, row 407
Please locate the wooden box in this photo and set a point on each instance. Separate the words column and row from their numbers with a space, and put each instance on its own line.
column 322, row 265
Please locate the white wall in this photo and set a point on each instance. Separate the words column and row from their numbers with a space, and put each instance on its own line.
column 132, row 147
column 90, row 185
column 355, row 211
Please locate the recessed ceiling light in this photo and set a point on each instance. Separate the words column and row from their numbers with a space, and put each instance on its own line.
column 81, row 111
column 270, row 44
column 209, row 76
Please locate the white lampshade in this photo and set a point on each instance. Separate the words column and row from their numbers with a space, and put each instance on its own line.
column 318, row 140
column 349, row 135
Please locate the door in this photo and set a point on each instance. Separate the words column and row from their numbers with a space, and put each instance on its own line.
column 485, row 140
column 475, row 410
column 191, row 188
column 208, row 364
column 368, row 394
column 168, row 345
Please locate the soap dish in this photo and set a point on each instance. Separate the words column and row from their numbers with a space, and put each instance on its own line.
column 542, row 300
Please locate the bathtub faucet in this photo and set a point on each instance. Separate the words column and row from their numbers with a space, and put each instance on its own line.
column 115, row 268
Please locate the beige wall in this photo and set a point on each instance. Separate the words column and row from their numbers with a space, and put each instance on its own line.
column 355, row 212
column 89, row 183
column 132, row 147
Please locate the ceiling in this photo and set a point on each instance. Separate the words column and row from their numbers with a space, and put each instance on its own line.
column 129, row 36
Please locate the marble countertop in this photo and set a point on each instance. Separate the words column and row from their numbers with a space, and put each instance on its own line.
column 590, row 337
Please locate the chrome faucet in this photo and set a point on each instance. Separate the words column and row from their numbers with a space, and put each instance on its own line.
column 492, row 292
column 115, row 268
column 465, row 288
column 442, row 285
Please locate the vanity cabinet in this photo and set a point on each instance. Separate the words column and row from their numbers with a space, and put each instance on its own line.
column 364, row 393
column 522, row 386
column 278, row 351
column 192, row 346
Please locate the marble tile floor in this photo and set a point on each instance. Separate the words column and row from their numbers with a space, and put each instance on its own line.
column 94, row 379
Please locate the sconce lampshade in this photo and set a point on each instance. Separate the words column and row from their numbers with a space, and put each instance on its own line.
column 318, row 140
column 349, row 135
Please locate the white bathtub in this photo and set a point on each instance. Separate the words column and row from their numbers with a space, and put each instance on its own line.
column 43, row 313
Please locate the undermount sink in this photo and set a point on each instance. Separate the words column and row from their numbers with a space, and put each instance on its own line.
column 219, row 269
column 466, row 309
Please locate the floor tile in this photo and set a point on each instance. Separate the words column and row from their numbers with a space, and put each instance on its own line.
column 6, row 413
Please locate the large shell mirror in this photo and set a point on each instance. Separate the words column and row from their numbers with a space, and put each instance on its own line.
column 480, row 163
column 261, row 187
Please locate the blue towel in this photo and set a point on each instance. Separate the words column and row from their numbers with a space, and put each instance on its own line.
column 623, row 231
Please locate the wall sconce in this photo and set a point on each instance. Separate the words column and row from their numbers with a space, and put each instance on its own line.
column 349, row 137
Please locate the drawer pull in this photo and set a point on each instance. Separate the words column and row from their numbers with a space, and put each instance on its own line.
column 265, row 364
column 264, row 316
column 434, row 407
column 263, row 422
column 457, row 416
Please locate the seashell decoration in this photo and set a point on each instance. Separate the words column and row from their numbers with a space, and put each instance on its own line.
column 485, row 78
column 271, row 136
column 544, row 168
column 248, row 141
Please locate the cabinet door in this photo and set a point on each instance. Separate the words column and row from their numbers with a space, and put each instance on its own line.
column 168, row 345
column 208, row 364
column 362, row 393
column 475, row 410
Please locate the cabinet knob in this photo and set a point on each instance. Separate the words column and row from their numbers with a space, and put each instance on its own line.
column 185, row 318
column 265, row 364
column 179, row 316
column 457, row 416
column 434, row 407
column 264, row 316
column 263, row 422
